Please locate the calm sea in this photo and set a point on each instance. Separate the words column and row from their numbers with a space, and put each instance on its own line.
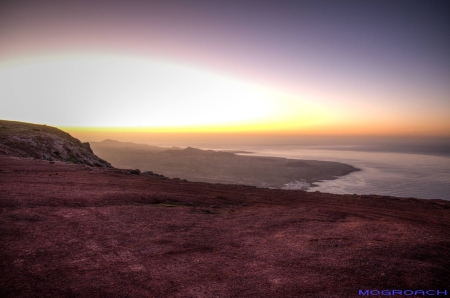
column 382, row 173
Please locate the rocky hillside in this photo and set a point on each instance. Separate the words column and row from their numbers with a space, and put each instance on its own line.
column 45, row 142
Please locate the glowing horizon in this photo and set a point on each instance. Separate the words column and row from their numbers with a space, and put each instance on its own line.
column 153, row 68
column 227, row 105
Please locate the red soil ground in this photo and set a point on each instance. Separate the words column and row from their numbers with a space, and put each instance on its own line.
column 74, row 231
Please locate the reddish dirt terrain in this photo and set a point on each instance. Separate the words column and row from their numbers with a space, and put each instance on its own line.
column 77, row 231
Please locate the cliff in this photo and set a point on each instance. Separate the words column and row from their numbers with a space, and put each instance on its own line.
column 45, row 142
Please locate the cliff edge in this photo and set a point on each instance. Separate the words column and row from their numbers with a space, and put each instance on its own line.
column 45, row 142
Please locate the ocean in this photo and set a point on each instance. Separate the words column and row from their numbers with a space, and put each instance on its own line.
column 418, row 175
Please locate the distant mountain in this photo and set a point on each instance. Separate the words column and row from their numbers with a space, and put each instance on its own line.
column 113, row 144
column 45, row 142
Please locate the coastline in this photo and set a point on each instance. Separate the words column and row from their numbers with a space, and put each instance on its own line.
column 382, row 173
column 224, row 166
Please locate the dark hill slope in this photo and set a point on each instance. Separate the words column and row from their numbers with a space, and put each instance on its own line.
column 45, row 142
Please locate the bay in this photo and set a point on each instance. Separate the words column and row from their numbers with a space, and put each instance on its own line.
column 381, row 173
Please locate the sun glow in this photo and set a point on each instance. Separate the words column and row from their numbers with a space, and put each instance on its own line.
column 120, row 93
column 141, row 94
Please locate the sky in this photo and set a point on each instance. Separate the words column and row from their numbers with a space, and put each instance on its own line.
column 105, row 68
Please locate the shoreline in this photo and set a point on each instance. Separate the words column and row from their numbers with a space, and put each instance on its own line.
column 382, row 173
column 223, row 166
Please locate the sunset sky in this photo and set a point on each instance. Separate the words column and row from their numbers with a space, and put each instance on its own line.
column 273, row 67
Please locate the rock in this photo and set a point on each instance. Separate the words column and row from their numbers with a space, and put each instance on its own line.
column 87, row 146
column 45, row 142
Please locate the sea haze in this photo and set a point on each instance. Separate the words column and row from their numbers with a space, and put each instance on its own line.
column 421, row 171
